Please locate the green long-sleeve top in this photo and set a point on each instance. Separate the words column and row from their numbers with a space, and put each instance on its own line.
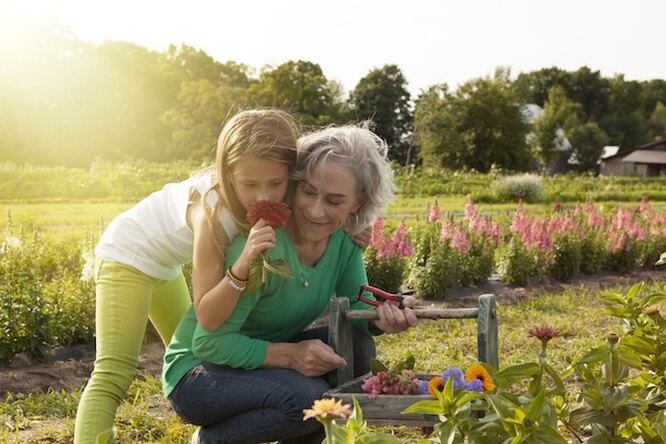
column 280, row 309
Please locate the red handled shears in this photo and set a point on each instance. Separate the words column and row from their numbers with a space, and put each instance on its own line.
column 379, row 294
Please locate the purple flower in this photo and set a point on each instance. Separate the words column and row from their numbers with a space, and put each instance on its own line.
column 423, row 388
column 457, row 375
column 475, row 385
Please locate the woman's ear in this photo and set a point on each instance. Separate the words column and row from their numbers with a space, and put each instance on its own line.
column 360, row 200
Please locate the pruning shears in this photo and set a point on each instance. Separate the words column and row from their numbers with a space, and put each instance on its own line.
column 379, row 293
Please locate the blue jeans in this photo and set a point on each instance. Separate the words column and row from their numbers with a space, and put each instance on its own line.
column 253, row 406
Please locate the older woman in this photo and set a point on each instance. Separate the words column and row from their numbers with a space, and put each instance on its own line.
column 249, row 380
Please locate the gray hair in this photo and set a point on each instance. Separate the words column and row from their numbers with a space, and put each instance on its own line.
column 364, row 153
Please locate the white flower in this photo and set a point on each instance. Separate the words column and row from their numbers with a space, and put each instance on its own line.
column 88, row 272
column 10, row 242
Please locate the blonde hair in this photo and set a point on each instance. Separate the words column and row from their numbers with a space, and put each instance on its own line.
column 270, row 134
column 364, row 153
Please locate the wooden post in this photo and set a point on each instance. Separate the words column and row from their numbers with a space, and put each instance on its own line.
column 487, row 331
column 340, row 337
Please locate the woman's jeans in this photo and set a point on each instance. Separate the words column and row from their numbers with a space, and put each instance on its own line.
column 253, row 406
column 125, row 299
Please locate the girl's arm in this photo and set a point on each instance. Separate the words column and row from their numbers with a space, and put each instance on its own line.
column 214, row 295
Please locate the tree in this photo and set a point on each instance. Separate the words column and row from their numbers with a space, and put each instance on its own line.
column 657, row 122
column 560, row 116
column 588, row 141
column 299, row 87
column 626, row 121
column 197, row 120
column 478, row 126
column 382, row 96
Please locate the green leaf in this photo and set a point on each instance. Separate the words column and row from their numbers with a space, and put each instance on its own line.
column 279, row 267
column 377, row 366
column 634, row 291
column 597, row 354
column 405, row 364
column 628, row 356
column 640, row 345
column 652, row 299
column 510, row 375
column 559, row 385
column 429, row 406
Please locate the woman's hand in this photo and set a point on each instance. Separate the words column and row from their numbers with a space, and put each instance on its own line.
column 392, row 319
column 313, row 358
column 260, row 238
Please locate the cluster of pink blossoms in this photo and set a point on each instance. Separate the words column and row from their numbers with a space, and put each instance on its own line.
column 386, row 383
column 397, row 246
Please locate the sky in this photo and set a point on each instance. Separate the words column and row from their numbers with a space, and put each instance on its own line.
column 431, row 41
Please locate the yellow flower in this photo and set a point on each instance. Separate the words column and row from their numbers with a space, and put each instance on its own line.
column 435, row 385
column 476, row 371
column 327, row 408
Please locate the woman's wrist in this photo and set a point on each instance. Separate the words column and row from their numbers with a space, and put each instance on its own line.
column 240, row 270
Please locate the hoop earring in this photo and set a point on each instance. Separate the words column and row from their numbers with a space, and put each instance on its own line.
column 356, row 219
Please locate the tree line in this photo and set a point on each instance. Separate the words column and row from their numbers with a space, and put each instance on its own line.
column 67, row 102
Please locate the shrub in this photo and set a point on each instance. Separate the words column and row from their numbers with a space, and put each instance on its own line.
column 518, row 264
column 566, row 258
column 524, row 187
column 592, row 252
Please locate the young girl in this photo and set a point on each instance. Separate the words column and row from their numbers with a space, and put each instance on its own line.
column 139, row 256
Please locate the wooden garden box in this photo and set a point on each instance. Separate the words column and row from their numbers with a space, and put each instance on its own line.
column 386, row 409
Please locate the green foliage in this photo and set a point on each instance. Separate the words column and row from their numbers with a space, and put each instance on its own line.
column 593, row 252
column 522, row 188
column 567, row 257
column 387, row 273
column 382, row 97
column 560, row 116
column 477, row 126
column 518, row 264
column 40, row 285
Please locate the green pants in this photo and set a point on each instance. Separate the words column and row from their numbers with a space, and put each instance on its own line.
column 125, row 299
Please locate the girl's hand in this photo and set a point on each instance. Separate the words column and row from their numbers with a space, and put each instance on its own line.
column 362, row 239
column 260, row 238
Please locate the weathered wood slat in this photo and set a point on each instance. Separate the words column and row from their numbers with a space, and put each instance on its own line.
column 421, row 313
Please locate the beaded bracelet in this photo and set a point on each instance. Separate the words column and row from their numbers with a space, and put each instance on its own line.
column 234, row 282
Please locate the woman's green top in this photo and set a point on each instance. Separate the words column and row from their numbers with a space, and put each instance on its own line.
column 279, row 310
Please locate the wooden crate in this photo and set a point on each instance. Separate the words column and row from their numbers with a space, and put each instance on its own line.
column 384, row 409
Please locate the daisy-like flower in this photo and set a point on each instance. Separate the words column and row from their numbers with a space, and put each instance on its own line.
column 543, row 333
column 435, row 385
column 476, row 371
column 327, row 409
column 275, row 213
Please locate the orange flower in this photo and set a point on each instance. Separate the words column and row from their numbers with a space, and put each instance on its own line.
column 435, row 385
column 476, row 371
column 651, row 310
column 328, row 408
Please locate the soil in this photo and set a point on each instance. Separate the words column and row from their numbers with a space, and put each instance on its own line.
column 70, row 367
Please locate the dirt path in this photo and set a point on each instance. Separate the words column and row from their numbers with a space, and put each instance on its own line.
column 70, row 367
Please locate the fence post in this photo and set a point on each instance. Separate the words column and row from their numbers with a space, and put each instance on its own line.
column 487, row 330
column 341, row 339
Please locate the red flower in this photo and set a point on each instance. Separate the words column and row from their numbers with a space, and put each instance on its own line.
column 275, row 213
column 543, row 333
